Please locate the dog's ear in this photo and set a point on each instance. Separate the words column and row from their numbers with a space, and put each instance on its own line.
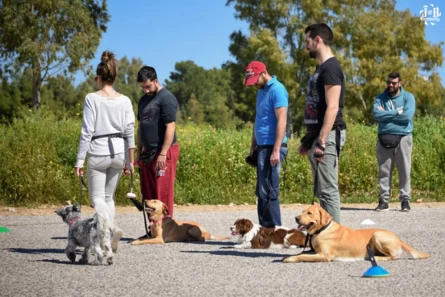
column 76, row 207
column 324, row 216
column 248, row 225
column 61, row 211
column 165, row 209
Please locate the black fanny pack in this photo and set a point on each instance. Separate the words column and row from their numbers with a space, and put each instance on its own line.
column 390, row 140
column 252, row 158
column 309, row 138
column 147, row 156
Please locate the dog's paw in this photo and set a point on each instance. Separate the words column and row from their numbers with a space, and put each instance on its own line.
column 96, row 263
column 83, row 260
column 135, row 242
column 71, row 257
column 291, row 259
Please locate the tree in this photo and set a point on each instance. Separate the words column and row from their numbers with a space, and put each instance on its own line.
column 126, row 81
column 194, row 110
column 203, row 93
column 371, row 39
column 50, row 35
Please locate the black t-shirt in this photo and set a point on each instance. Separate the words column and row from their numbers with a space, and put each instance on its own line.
column 153, row 113
column 328, row 73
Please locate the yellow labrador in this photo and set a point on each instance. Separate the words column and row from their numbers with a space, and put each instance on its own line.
column 164, row 229
column 334, row 242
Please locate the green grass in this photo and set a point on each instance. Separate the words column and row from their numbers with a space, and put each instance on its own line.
column 38, row 153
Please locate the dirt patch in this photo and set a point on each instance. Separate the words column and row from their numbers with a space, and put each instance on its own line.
column 49, row 209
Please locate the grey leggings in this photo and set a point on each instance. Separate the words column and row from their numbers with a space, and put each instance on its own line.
column 103, row 177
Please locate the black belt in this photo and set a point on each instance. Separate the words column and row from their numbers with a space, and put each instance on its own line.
column 109, row 136
column 117, row 135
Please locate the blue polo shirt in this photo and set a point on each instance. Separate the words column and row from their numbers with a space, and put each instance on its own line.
column 274, row 95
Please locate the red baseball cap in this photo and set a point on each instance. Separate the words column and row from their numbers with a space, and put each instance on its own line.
column 253, row 71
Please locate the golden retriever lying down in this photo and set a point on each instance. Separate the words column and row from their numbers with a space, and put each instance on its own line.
column 163, row 228
column 334, row 242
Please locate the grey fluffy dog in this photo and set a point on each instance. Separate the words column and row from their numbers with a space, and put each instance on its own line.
column 91, row 233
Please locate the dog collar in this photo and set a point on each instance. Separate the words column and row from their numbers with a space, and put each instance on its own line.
column 161, row 220
column 72, row 221
column 309, row 237
column 324, row 228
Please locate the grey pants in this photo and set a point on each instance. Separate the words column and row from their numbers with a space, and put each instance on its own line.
column 401, row 157
column 103, row 177
column 325, row 175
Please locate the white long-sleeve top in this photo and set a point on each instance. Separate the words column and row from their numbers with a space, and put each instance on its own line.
column 103, row 116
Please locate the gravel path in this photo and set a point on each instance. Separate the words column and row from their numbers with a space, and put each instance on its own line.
column 33, row 263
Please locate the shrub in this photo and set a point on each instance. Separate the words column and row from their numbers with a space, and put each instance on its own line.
column 38, row 153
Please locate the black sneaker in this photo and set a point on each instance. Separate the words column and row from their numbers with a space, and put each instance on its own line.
column 405, row 206
column 383, row 206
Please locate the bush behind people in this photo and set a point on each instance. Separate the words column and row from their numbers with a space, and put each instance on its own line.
column 38, row 154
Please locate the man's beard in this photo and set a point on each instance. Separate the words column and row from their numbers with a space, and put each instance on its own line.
column 152, row 94
column 392, row 93
column 313, row 54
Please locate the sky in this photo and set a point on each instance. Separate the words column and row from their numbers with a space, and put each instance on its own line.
column 162, row 33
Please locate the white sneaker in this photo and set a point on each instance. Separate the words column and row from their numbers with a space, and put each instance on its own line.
column 117, row 235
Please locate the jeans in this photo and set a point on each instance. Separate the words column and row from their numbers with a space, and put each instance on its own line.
column 267, row 188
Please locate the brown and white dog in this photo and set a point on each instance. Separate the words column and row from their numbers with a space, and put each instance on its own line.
column 257, row 237
column 164, row 229
column 334, row 242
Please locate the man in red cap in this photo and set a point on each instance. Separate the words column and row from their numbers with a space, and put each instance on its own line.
column 269, row 138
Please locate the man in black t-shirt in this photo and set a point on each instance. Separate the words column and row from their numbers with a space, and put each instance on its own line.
column 326, row 130
column 157, row 148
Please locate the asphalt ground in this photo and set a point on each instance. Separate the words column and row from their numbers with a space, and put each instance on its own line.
column 33, row 262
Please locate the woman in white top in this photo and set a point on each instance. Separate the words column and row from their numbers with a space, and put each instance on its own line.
column 108, row 122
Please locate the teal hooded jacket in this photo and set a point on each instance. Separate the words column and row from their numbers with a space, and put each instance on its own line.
column 398, row 113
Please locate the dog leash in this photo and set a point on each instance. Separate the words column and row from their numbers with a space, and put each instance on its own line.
column 81, row 183
column 147, row 231
column 139, row 205
column 315, row 184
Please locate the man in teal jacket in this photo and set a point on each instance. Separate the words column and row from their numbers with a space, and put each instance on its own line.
column 394, row 110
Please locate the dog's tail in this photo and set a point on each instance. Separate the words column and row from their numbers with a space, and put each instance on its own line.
column 415, row 254
column 103, row 220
